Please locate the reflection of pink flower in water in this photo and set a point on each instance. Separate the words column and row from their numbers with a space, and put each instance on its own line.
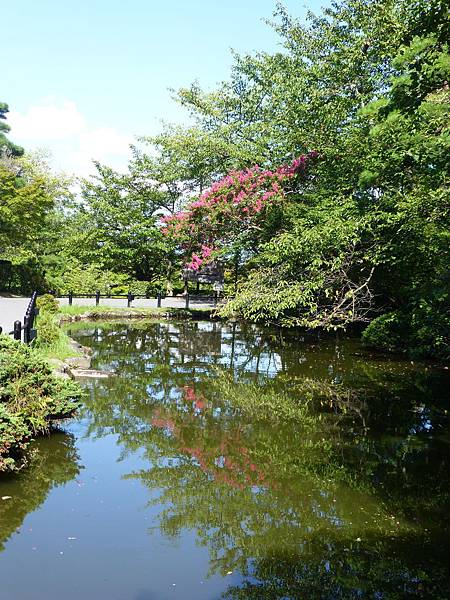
column 191, row 396
column 162, row 422
column 226, row 462
column 189, row 393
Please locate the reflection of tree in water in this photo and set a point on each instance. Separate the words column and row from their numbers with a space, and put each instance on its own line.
column 333, row 503
column 55, row 464
column 344, row 569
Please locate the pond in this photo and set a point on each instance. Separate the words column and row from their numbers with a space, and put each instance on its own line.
column 234, row 461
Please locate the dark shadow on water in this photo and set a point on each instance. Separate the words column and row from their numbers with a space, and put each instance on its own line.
column 347, row 570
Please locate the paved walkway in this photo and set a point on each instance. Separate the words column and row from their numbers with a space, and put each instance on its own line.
column 13, row 309
column 178, row 302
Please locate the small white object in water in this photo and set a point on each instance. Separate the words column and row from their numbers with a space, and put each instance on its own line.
column 6, row 497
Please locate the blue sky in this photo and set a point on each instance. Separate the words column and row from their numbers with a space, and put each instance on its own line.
column 83, row 78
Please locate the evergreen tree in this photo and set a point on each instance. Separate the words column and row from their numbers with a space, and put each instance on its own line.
column 6, row 144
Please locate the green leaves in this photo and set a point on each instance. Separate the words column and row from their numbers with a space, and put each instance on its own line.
column 24, row 204
column 6, row 146
column 30, row 396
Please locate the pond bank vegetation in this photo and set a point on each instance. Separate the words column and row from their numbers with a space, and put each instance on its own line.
column 32, row 397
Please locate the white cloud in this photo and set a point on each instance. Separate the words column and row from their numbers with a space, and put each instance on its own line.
column 104, row 140
column 73, row 142
column 47, row 122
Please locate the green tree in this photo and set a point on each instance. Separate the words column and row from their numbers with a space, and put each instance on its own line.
column 32, row 202
column 5, row 144
column 113, row 229
column 366, row 85
column 406, row 182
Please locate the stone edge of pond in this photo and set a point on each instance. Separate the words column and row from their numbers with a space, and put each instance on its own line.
column 181, row 313
column 79, row 365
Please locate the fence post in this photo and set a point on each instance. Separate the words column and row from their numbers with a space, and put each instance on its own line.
column 158, row 300
column 129, row 298
column 26, row 330
column 187, row 300
column 97, row 298
column 70, row 298
column 17, row 330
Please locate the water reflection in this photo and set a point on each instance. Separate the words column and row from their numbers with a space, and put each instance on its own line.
column 305, row 465
column 54, row 462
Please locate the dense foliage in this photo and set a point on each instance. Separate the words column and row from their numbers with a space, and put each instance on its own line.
column 30, row 398
column 367, row 236
column 31, row 212
column 360, row 236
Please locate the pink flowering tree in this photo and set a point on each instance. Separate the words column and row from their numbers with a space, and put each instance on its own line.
column 236, row 214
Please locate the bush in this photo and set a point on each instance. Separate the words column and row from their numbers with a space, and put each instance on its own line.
column 430, row 330
column 140, row 288
column 422, row 331
column 49, row 334
column 30, row 398
column 48, row 330
column 47, row 304
column 387, row 332
column 87, row 279
column 14, row 435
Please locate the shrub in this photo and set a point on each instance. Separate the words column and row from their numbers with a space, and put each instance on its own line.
column 422, row 331
column 387, row 332
column 30, row 398
column 47, row 304
column 87, row 279
column 430, row 330
column 48, row 330
column 14, row 435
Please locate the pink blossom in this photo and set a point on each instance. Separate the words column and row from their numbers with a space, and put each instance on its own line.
column 198, row 204
column 206, row 251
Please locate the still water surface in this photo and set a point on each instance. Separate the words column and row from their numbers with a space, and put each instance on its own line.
column 227, row 461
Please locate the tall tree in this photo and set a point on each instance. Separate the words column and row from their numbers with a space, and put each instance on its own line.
column 6, row 144
column 114, row 227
